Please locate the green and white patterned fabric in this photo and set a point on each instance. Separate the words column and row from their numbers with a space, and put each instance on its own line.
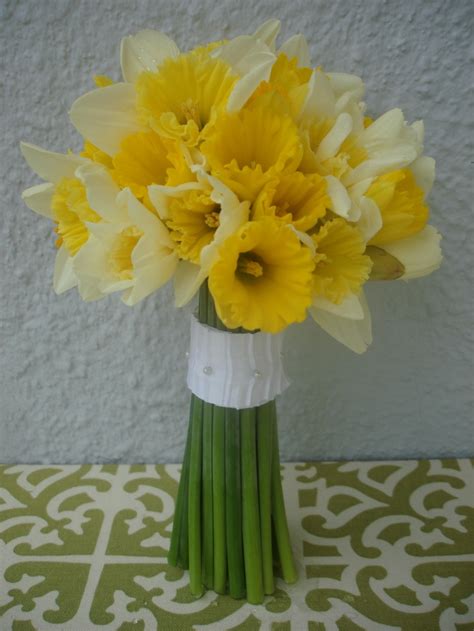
column 379, row 546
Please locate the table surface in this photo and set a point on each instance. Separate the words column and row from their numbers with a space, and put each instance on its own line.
column 378, row 545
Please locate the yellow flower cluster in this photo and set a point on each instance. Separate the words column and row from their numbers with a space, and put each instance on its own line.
column 240, row 164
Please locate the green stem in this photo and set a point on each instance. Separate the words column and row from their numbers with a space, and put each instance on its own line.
column 233, row 497
column 250, row 507
column 178, row 553
column 218, row 492
column 203, row 300
column 207, row 500
column 211, row 310
column 265, row 451
column 213, row 318
column 278, row 511
column 194, row 515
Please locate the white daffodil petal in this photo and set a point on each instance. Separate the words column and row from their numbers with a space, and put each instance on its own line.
column 320, row 100
column 386, row 127
column 297, row 46
column 355, row 334
column 419, row 129
column 38, row 198
column 89, row 290
column 150, row 278
column 343, row 83
column 101, row 191
column 64, row 277
column 340, row 201
column 370, row 220
column 145, row 51
column 187, row 280
column 360, row 188
column 355, row 109
column 246, row 86
column 147, row 251
column 423, row 169
column 106, row 116
column 386, row 161
column 305, row 238
column 331, row 143
column 147, row 221
column 243, row 53
column 91, row 260
column 268, row 32
column 260, row 55
column 111, row 287
column 350, row 307
column 91, row 263
column 104, row 231
column 420, row 254
column 160, row 196
column 50, row 166
column 234, row 213
column 160, row 200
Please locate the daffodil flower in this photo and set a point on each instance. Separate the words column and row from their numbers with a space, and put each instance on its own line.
column 129, row 250
column 262, row 277
column 231, row 214
column 171, row 89
column 58, row 169
column 239, row 163
column 349, row 323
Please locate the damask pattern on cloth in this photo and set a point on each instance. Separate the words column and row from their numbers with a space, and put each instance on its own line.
column 379, row 546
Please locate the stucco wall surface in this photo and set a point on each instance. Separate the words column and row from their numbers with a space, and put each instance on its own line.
column 103, row 382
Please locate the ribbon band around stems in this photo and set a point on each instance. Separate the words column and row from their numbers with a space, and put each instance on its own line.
column 235, row 370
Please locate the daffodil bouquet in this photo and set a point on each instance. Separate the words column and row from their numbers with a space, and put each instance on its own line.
column 260, row 183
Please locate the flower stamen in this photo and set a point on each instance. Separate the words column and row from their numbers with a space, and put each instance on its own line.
column 212, row 219
column 249, row 265
column 190, row 111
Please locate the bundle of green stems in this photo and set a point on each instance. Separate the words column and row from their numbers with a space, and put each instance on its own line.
column 230, row 528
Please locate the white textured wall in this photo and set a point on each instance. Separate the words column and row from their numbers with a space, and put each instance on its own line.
column 102, row 382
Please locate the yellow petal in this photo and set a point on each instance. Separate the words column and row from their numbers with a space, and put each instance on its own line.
column 402, row 206
column 295, row 198
column 144, row 159
column 341, row 266
column 184, row 95
column 246, row 150
column 262, row 278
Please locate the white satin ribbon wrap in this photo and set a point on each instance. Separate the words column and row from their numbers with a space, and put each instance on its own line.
column 235, row 370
